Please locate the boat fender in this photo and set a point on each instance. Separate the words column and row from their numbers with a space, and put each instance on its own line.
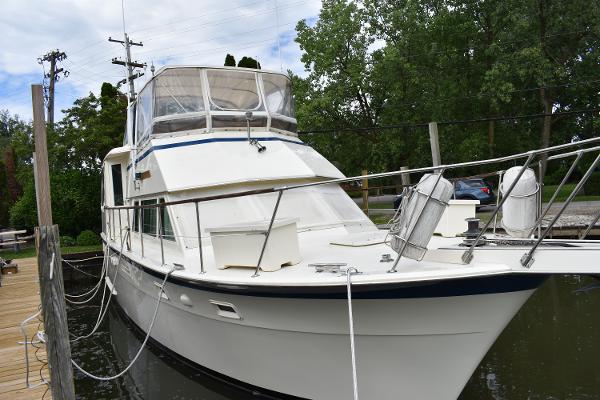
column 114, row 260
column 520, row 209
column 185, row 300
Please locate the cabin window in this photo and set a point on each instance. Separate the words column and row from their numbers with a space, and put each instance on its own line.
column 278, row 95
column 167, row 229
column 178, row 91
column 117, row 180
column 144, row 113
column 149, row 218
column 233, row 90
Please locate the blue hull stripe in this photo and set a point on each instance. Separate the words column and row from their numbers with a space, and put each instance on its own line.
column 212, row 140
column 505, row 283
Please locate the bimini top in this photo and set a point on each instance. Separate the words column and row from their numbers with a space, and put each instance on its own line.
column 184, row 98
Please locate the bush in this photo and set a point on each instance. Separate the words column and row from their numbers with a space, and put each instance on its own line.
column 592, row 186
column 67, row 241
column 88, row 238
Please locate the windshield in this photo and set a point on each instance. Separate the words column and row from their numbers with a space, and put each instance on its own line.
column 178, row 91
column 233, row 90
column 278, row 94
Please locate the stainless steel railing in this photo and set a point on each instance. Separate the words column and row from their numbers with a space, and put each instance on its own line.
column 529, row 157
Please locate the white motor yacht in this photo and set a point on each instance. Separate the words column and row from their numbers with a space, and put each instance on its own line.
column 267, row 273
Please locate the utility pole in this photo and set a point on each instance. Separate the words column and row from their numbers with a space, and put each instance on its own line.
column 52, row 290
column 131, row 76
column 53, row 57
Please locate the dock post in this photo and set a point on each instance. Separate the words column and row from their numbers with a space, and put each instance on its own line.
column 365, row 192
column 435, row 144
column 405, row 178
column 52, row 291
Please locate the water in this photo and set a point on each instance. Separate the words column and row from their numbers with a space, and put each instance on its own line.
column 549, row 351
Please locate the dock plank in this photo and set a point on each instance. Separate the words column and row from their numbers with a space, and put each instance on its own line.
column 20, row 298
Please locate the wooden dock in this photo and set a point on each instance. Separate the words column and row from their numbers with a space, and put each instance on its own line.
column 20, row 298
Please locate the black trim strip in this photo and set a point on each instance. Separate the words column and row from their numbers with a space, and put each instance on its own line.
column 504, row 283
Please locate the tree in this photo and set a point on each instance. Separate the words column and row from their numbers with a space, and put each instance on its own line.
column 385, row 62
column 79, row 142
column 10, row 190
column 229, row 60
column 248, row 62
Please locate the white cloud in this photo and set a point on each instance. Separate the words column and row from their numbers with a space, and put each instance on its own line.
column 173, row 32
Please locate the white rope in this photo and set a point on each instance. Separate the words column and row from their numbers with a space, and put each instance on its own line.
column 349, row 273
column 95, row 289
column 83, row 259
column 104, row 308
column 26, row 342
column 109, row 378
column 77, row 269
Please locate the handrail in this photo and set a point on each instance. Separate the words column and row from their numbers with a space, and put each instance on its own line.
column 360, row 177
column 527, row 258
column 467, row 256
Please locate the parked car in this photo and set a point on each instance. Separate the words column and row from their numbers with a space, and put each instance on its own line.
column 474, row 189
column 468, row 189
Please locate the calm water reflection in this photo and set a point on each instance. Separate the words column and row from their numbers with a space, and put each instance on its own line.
column 549, row 351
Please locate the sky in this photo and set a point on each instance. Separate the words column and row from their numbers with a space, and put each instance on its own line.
column 173, row 32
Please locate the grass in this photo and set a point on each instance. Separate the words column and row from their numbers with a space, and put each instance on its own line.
column 380, row 219
column 549, row 190
column 375, row 206
column 30, row 251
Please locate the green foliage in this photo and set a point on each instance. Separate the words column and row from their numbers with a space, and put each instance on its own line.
column 75, row 202
column 10, row 128
column 88, row 238
column 77, row 145
column 372, row 63
column 248, row 62
column 229, row 60
column 592, row 186
column 66, row 240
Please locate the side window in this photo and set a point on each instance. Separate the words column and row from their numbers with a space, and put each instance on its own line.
column 117, row 180
column 167, row 229
column 144, row 113
column 149, row 218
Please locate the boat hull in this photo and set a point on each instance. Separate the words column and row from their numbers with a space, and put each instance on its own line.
column 406, row 347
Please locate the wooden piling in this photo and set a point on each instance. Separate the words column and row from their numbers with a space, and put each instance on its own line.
column 52, row 291
column 54, row 310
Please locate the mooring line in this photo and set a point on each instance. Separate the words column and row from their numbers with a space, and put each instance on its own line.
column 26, row 343
column 109, row 378
column 95, row 289
column 349, row 273
column 104, row 309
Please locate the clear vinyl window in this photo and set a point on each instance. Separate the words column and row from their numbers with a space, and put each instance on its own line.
column 233, row 90
column 178, row 91
column 278, row 95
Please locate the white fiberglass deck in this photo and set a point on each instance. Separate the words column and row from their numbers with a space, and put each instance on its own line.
column 441, row 262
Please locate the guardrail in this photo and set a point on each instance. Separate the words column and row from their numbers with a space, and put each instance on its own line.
column 110, row 221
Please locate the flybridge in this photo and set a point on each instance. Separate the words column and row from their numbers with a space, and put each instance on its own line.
column 180, row 99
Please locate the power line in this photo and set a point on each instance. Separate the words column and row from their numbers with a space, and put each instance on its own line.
column 153, row 37
column 451, row 122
